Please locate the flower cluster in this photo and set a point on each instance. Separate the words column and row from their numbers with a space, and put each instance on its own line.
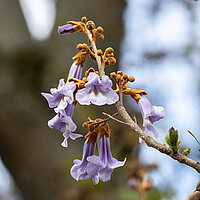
column 95, row 88
column 62, row 100
column 98, row 167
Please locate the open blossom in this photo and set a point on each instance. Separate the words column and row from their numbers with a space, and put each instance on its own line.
column 62, row 100
column 150, row 114
column 64, row 124
column 81, row 169
column 68, row 28
column 57, row 95
column 96, row 91
column 105, row 162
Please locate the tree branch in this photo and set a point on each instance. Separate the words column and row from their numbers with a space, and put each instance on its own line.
column 152, row 143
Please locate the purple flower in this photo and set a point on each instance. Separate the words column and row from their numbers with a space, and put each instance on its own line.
column 96, row 91
column 68, row 28
column 82, row 169
column 150, row 114
column 64, row 124
column 105, row 162
column 64, row 91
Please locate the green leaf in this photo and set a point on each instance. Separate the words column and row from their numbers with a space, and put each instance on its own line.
column 186, row 151
column 172, row 139
column 167, row 140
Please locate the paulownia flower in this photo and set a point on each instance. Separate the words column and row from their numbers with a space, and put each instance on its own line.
column 65, row 124
column 150, row 114
column 105, row 162
column 68, row 28
column 62, row 100
column 63, row 93
column 96, row 91
column 81, row 169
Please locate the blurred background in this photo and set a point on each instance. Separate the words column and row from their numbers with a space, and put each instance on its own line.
column 157, row 41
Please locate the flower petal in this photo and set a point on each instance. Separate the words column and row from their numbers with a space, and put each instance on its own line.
column 105, row 174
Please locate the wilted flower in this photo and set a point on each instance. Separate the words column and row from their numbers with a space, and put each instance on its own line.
column 81, row 169
column 104, row 161
column 96, row 91
column 150, row 114
column 68, row 28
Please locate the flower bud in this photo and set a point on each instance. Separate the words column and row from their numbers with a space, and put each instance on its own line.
column 79, row 46
column 131, row 78
column 99, row 52
column 113, row 74
column 84, row 19
column 120, row 72
column 109, row 50
column 85, row 125
column 101, row 37
column 118, row 77
column 112, row 60
column 125, row 76
column 100, row 29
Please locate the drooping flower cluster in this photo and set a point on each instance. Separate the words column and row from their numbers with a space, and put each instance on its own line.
column 98, row 167
column 62, row 100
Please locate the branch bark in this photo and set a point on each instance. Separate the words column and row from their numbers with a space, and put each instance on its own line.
column 152, row 143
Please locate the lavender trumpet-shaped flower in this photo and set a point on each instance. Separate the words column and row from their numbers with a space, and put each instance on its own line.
column 62, row 100
column 68, row 28
column 65, row 124
column 104, row 161
column 64, row 91
column 96, row 91
column 82, row 169
column 150, row 114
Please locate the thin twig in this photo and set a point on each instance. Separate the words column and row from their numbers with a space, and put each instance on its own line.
column 193, row 136
column 154, row 144
column 98, row 58
column 105, row 120
column 115, row 118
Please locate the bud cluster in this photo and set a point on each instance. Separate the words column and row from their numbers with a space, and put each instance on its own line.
column 95, row 127
column 107, row 57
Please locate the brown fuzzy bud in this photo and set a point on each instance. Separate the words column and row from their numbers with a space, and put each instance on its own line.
column 112, row 60
column 90, row 25
column 124, row 87
column 84, row 46
column 110, row 54
column 84, row 19
column 125, row 76
column 127, row 91
column 118, row 77
column 120, row 73
column 109, row 50
column 113, row 74
column 85, row 79
column 101, row 37
column 91, row 70
column 107, row 62
column 79, row 46
column 100, row 29
column 85, row 125
column 99, row 52
column 131, row 78
column 91, row 127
